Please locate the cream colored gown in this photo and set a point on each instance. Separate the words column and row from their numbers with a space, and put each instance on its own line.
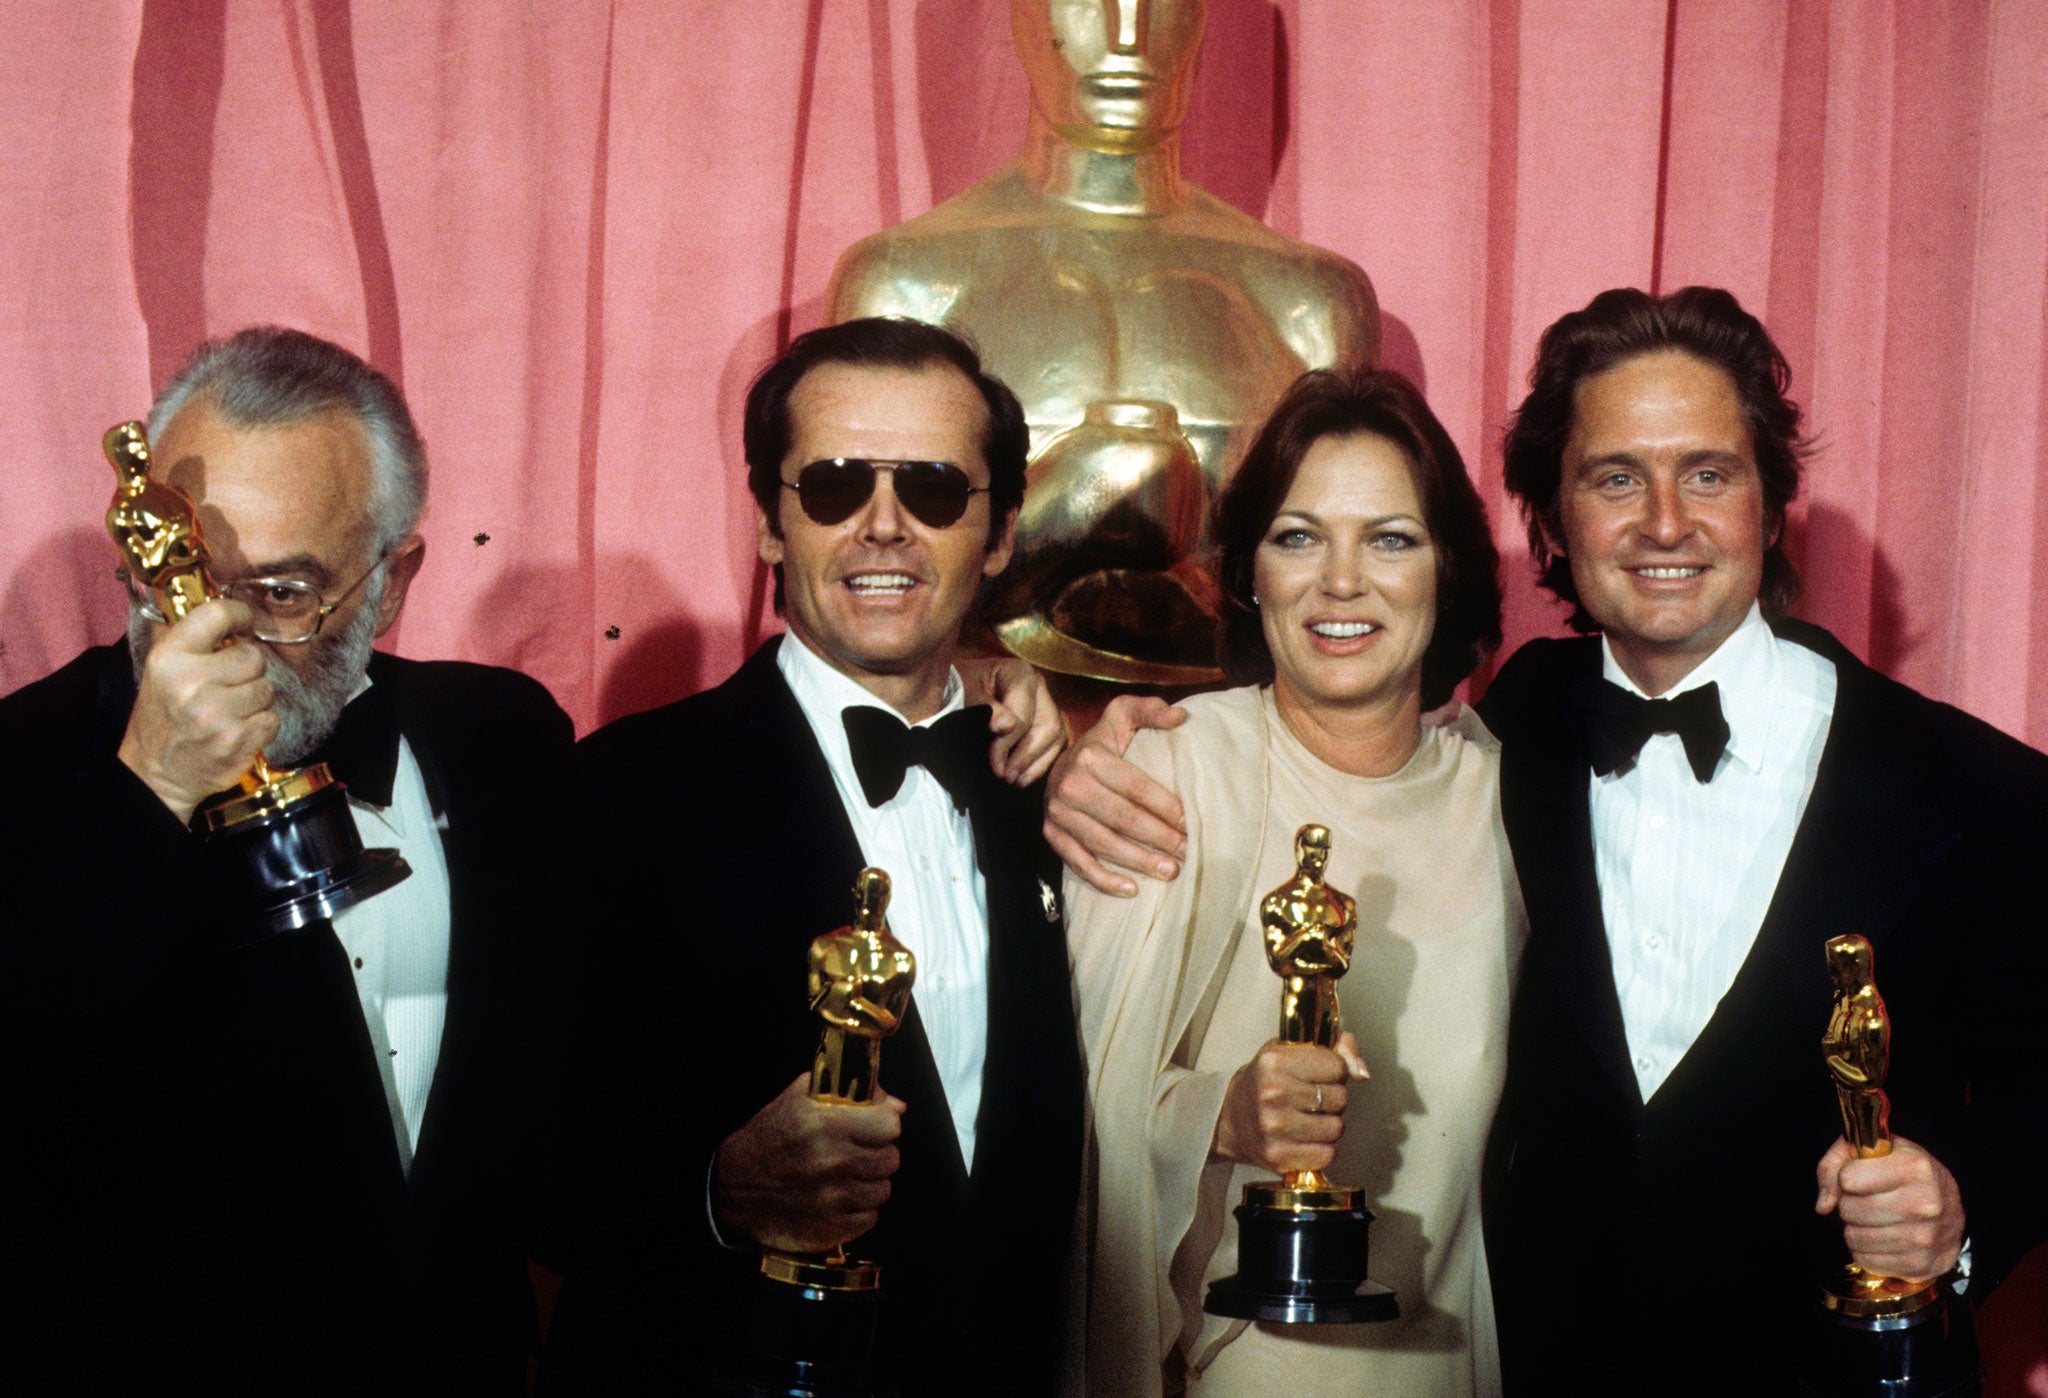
column 1176, row 995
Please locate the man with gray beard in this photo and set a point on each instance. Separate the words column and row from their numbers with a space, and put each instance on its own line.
column 293, row 1165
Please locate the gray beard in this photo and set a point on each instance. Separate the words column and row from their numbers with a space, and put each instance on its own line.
column 306, row 709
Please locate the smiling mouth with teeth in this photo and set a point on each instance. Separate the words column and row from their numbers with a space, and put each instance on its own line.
column 868, row 583
column 1342, row 630
column 1667, row 574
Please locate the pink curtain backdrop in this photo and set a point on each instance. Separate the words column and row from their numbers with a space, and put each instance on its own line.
column 572, row 231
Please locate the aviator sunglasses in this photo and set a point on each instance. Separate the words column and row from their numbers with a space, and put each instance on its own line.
column 935, row 492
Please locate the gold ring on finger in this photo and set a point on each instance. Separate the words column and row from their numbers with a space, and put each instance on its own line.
column 1318, row 1107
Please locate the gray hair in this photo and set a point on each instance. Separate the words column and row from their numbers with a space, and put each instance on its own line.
column 267, row 376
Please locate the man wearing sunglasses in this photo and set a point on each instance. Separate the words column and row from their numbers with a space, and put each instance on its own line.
column 887, row 469
column 284, row 1166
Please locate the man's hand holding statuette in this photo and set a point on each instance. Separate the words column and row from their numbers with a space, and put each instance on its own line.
column 1902, row 1214
column 807, row 1176
column 202, row 708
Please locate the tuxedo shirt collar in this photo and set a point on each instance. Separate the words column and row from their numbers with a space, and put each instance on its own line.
column 1745, row 666
column 823, row 693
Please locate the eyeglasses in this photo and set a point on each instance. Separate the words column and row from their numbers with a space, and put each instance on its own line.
column 935, row 492
column 288, row 611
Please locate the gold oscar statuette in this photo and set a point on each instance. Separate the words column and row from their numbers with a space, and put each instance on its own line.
column 815, row 1326
column 1309, row 928
column 1879, row 1336
column 860, row 980
column 1857, row 1048
column 288, row 835
column 1302, row 1244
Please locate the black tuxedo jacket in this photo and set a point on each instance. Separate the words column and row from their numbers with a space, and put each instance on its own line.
column 1671, row 1246
column 719, row 850
column 207, row 1195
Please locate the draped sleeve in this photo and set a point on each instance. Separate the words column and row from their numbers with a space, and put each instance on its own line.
column 1147, row 970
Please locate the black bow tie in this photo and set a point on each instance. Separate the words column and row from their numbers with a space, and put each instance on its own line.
column 1615, row 724
column 363, row 748
column 954, row 750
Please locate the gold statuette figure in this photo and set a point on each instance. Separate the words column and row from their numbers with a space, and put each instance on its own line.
column 1302, row 1242
column 860, row 986
column 1857, row 1047
column 1147, row 327
column 860, row 982
column 156, row 527
column 288, row 834
column 1310, row 928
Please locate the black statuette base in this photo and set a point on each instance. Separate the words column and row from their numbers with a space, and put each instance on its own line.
column 1302, row 1267
column 806, row 1342
column 1931, row 1353
column 302, row 863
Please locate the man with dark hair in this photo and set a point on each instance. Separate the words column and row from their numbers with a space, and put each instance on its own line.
column 887, row 469
column 287, row 1165
column 1697, row 802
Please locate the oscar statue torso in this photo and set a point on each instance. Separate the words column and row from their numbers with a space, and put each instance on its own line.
column 1858, row 1050
column 860, row 980
column 1147, row 327
column 156, row 527
column 1310, row 928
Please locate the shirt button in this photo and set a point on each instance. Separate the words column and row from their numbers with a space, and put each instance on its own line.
column 1653, row 942
column 1657, row 822
column 1643, row 1063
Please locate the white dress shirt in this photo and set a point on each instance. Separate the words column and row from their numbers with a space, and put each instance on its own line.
column 938, row 904
column 1687, row 869
column 397, row 942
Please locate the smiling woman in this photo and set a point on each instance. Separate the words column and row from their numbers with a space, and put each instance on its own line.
column 1359, row 584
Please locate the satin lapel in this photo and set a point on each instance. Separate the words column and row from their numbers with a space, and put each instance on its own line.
column 1028, row 1146
column 1871, row 837
column 1548, row 814
column 1018, row 1003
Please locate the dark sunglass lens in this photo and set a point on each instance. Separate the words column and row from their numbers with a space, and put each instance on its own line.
column 936, row 492
column 830, row 491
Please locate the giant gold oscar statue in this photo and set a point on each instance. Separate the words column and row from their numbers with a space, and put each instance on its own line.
column 1147, row 327
column 285, row 839
column 1302, row 1244
column 1882, row 1337
column 815, row 1318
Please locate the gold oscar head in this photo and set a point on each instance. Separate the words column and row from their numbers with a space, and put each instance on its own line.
column 127, row 447
column 1312, row 851
column 870, row 901
column 1850, row 963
